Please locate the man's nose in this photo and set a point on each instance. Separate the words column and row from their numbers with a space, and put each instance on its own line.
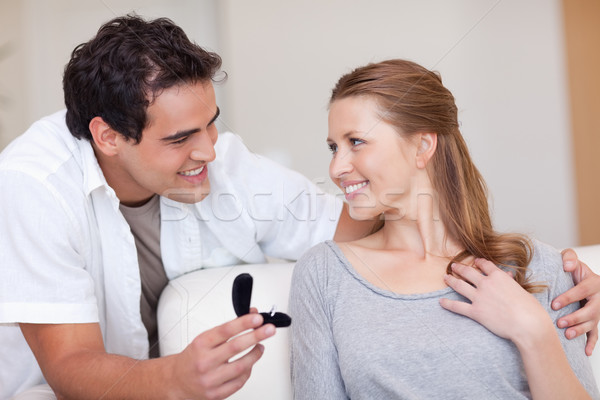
column 204, row 149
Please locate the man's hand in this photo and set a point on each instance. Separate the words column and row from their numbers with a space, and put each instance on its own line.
column 587, row 291
column 76, row 365
column 205, row 368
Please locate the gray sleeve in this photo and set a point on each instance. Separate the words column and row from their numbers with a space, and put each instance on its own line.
column 314, row 361
column 547, row 267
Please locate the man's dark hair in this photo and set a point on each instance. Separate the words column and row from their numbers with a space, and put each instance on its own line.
column 120, row 72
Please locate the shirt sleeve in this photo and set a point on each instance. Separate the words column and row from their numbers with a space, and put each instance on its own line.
column 547, row 269
column 314, row 365
column 290, row 213
column 42, row 279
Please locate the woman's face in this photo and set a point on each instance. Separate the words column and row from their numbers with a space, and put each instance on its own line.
column 372, row 162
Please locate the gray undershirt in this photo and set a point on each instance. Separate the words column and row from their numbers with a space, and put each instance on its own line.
column 144, row 222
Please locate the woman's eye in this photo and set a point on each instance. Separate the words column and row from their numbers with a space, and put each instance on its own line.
column 356, row 142
column 332, row 148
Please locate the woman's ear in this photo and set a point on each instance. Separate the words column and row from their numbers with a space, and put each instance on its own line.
column 427, row 146
column 105, row 138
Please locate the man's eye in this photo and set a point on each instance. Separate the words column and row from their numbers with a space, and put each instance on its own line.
column 332, row 147
column 180, row 141
column 356, row 142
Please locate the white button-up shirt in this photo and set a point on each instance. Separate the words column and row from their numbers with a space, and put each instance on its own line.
column 67, row 254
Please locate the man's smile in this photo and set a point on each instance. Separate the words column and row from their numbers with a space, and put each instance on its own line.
column 192, row 172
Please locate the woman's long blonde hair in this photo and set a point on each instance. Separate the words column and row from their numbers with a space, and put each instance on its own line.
column 414, row 100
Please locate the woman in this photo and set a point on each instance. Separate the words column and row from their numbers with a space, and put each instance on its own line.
column 384, row 317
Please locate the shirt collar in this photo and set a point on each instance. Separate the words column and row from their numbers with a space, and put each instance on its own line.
column 93, row 177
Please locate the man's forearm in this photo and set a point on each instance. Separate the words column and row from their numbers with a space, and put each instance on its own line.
column 76, row 365
column 93, row 375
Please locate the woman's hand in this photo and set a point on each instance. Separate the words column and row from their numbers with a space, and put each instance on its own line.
column 498, row 302
column 587, row 291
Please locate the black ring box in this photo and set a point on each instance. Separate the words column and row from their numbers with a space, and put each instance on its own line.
column 241, row 295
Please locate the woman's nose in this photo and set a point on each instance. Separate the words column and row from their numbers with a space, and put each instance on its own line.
column 340, row 165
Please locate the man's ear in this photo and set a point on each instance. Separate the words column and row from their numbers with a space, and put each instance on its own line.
column 426, row 150
column 105, row 138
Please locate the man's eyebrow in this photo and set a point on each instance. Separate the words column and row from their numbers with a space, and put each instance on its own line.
column 217, row 113
column 181, row 134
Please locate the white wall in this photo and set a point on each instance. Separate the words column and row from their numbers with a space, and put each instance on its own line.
column 12, row 78
column 503, row 60
column 42, row 34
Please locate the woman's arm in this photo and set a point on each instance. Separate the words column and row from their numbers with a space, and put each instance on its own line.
column 507, row 310
column 314, row 362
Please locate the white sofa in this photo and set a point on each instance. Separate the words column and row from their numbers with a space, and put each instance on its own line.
column 200, row 300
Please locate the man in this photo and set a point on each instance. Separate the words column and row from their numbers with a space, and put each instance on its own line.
column 101, row 206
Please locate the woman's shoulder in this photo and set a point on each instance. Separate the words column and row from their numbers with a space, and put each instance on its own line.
column 319, row 254
column 545, row 257
column 546, row 267
column 319, row 260
column 318, row 272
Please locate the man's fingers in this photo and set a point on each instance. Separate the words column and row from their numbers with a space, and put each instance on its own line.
column 235, row 374
column 580, row 292
column 580, row 329
column 227, row 389
column 592, row 339
column 578, row 317
column 212, row 348
column 243, row 342
column 570, row 259
column 216, row 371
column 222, row 333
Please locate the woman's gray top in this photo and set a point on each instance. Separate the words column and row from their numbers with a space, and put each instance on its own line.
column 351, row 339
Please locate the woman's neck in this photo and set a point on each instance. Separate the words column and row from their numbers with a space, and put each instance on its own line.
column 420, row 229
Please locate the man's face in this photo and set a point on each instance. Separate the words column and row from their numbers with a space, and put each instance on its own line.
column 177, row 145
